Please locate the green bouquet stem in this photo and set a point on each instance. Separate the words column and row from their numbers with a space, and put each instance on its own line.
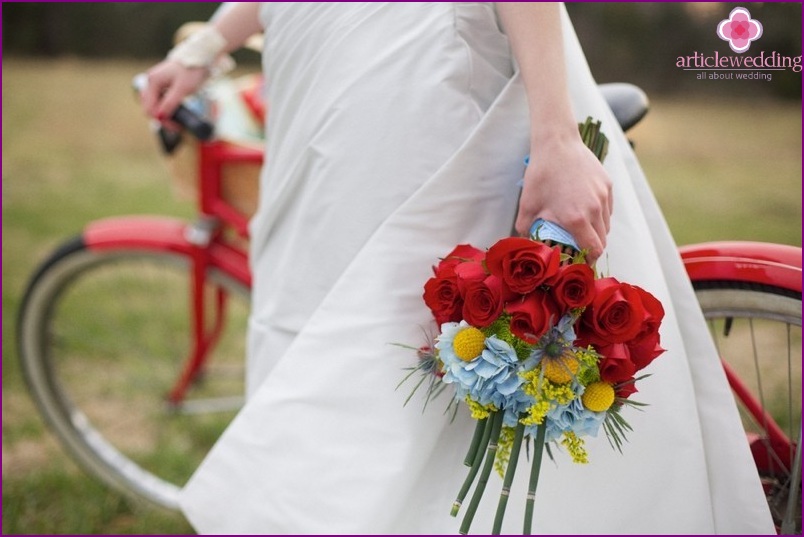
column 519, row 433
column 491, row 453
column 475, row 467
column 480, row 428
column 538, row 449
column 594, row 139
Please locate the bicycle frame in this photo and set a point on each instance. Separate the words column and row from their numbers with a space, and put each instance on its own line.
column 203, row 242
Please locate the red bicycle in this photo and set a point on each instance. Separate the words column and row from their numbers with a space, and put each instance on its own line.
column 131, row 336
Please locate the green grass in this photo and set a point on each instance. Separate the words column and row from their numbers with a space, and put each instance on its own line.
column 76, row 147
column 55, row 500
column 725, row 169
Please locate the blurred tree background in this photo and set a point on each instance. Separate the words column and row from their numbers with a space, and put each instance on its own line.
column 607, row 30
column 96, row 29
column 665, row 31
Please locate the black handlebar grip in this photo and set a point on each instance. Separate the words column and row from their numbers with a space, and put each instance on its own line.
column 199, row 126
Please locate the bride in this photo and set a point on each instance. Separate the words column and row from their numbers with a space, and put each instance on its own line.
column 398, row 130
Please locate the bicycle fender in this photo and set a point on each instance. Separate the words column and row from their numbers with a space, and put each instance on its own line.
column 139, row 233
column 164, row 234
column 777, row 265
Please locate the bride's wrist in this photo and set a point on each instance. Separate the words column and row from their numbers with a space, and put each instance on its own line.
column 565, row 132
column 203, row 49
column 554, row 142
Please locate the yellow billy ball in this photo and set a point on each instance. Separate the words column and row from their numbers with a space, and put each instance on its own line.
column 598, row 396
column 469, row 343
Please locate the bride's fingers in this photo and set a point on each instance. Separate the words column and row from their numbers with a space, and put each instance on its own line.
column 522, row 224
column 149, row 99
column 589, row 239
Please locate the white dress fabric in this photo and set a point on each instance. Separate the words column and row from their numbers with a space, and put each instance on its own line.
column 398, row 131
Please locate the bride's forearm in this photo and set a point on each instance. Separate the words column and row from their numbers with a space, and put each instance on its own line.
column 534, row 31
column 236, row 22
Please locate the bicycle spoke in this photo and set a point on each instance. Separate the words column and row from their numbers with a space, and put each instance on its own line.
column 756, row 331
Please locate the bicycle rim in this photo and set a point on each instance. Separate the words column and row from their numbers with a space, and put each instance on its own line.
column 757, row 331
column 103, row 338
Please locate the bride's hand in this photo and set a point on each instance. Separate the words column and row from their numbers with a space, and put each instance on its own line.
column 566, row 184
column 169, row 83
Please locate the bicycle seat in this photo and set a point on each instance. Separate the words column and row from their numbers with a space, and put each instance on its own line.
column 627, row 101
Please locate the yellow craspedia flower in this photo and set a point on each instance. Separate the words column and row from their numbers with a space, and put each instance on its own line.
column 560, row 370
column 469, row 343
column 598, row 396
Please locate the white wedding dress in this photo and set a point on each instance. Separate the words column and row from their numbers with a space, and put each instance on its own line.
column 396, row 132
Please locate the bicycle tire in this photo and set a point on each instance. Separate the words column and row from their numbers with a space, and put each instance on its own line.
column 757, row 330
column 102, row 336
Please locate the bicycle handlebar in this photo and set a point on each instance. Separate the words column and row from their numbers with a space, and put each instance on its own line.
column 199, row 126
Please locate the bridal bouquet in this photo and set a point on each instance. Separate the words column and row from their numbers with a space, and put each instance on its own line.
column 539, row 349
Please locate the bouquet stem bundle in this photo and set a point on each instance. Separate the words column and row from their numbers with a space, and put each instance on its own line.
column 595, row 140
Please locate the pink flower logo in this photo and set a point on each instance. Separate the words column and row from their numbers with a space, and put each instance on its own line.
column 739, row 29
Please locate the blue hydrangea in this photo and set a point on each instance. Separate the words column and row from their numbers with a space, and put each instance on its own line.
column 491, row 378
column 572, row 417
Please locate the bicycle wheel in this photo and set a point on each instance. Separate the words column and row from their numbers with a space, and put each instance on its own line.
column 757, row 330
column 103, row 337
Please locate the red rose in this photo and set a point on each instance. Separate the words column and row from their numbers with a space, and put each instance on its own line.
column 442, row 296
column 615, row 315
column 645, row 350
column 469, row 272
column 616, row 365
column 522, row 264
column 461, row 254
column 645, row 346
column 483, row 301
column 573, row 286
column 443, row 293
column 654, row 312
column 532, row 315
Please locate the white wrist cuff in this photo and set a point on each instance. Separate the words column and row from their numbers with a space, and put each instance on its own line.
column 200, row 49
